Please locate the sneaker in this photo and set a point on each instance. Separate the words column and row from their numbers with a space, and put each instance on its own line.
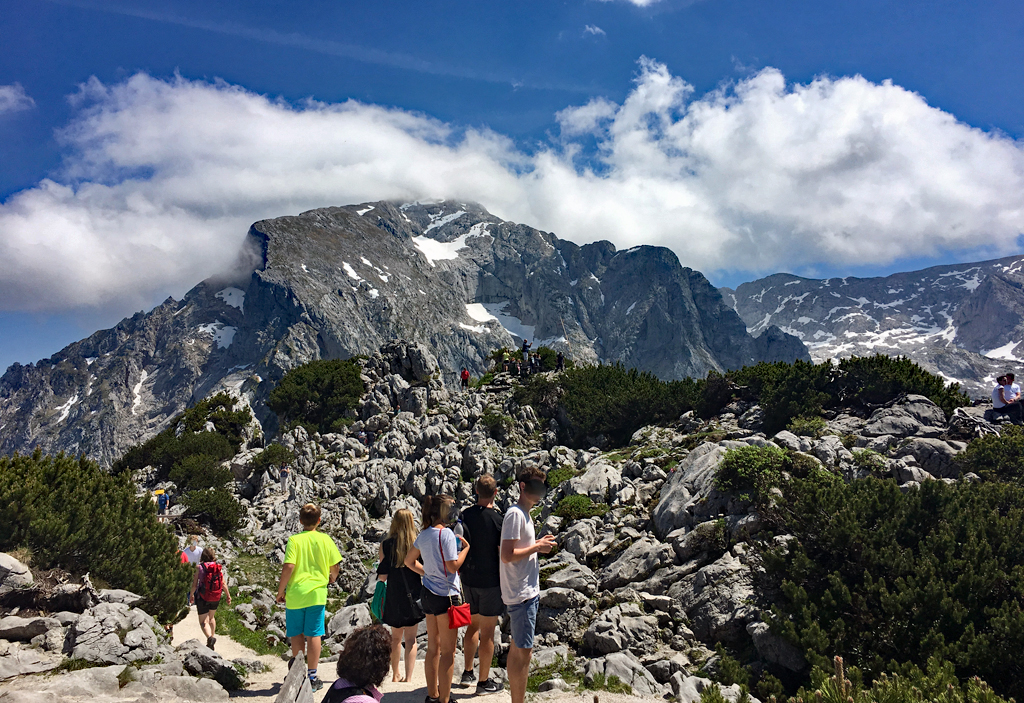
column 211, row 641
column 489, row 686
column 316, row 684
column 468, row 677
column 431, row 699
column 452, row 699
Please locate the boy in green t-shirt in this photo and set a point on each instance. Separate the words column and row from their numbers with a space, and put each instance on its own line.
column 311, row 561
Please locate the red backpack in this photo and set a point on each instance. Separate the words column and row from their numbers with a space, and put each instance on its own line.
column 211, row 582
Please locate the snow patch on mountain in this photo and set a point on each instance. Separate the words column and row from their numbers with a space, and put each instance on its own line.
column 235, row 297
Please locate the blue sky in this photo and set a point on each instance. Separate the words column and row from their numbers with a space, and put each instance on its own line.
column 514, row 77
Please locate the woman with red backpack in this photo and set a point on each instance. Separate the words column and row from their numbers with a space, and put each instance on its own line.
column 208, row 587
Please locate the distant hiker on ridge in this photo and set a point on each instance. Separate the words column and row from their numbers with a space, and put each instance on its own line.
column 560, row 361
column 464, row 377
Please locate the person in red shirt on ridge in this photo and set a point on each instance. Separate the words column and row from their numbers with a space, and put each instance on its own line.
column 465, row 377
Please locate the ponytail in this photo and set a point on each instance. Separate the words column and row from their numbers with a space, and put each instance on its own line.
column 437, row 509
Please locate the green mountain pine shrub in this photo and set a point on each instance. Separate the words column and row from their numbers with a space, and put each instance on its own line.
column 76, row 517
column 890, row 579
column 317, row 395
column 193, row 458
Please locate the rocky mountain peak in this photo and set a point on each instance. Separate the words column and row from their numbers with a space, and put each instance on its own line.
column 342, row 281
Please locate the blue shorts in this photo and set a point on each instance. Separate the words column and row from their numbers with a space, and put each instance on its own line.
column 305, row 621
column 524, row 622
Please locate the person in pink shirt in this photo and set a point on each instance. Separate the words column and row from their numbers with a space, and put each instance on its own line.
column 362, row 665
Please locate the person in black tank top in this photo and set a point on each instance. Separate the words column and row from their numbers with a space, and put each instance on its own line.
column 402, row 612
column 482, row 527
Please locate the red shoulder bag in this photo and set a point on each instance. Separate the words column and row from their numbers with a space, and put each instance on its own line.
column 458, row 615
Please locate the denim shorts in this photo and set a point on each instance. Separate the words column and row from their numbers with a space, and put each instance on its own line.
column 523, row 617
column 305, row 621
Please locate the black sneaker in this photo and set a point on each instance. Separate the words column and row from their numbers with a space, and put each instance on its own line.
column 452, row 699
column 211, row 642
column 468, row 677
column 316, row 684
column 489, row 686
column 431, row 699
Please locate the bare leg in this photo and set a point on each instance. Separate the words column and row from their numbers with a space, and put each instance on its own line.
column 430, row 664
column 204, row 624
column 518, row 670
column 396, row 651
column 470, row 643
column 410, row 651
column 446, row 662
column 487, row 625
column 313, row 652
column 298, row 645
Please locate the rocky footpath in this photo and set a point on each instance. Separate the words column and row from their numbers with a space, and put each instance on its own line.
column 103, row 649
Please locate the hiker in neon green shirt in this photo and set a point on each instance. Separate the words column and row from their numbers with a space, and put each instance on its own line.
column 311, row 561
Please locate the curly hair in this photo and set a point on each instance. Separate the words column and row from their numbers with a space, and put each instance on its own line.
column 366, row 657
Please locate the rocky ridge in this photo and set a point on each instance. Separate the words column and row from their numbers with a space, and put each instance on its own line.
column 643, row 589
column 964, row 322
column 339, row 282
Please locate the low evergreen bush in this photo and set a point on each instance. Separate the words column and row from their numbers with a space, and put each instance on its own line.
column 317, row 395
column 751, row 471
column 890, row 579
column 579, row 507
column 274, row 455
column 74, row 516
column 996, row 457
column 191, row 455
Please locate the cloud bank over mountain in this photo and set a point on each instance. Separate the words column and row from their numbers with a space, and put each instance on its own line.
column 161, row 179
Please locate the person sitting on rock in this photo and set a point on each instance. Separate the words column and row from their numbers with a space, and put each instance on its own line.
column 1006, row 399
column 362, row 666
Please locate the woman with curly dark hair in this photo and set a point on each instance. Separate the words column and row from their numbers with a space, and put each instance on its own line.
column 362, row 665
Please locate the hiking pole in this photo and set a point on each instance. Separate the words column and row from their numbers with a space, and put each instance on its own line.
column 566, row 335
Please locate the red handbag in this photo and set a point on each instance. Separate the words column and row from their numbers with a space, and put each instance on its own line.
column 458, row 615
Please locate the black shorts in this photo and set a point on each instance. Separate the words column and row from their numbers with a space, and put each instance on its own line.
column 485, row 601
column 434, row 604
column 205, row 606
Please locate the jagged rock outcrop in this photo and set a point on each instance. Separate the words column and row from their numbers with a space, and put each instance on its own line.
column 963, row 321
column 339, row 282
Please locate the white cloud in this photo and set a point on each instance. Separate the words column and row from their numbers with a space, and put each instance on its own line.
column 162, row 179
column 595, row 30
column 13, row 98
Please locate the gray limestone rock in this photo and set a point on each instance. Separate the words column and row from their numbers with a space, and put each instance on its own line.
column 203, row 661
column 624, row 626
column 17, row 660
column 626, row 668
column 933, row 455
column 13, row 574
column 774, row 649
column 18, row 629
column 347, row 620
column 636, row 563
column 717, row 600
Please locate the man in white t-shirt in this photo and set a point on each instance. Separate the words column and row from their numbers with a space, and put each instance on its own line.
column 520, row 576
column 1006, row 398
column 193, row 551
